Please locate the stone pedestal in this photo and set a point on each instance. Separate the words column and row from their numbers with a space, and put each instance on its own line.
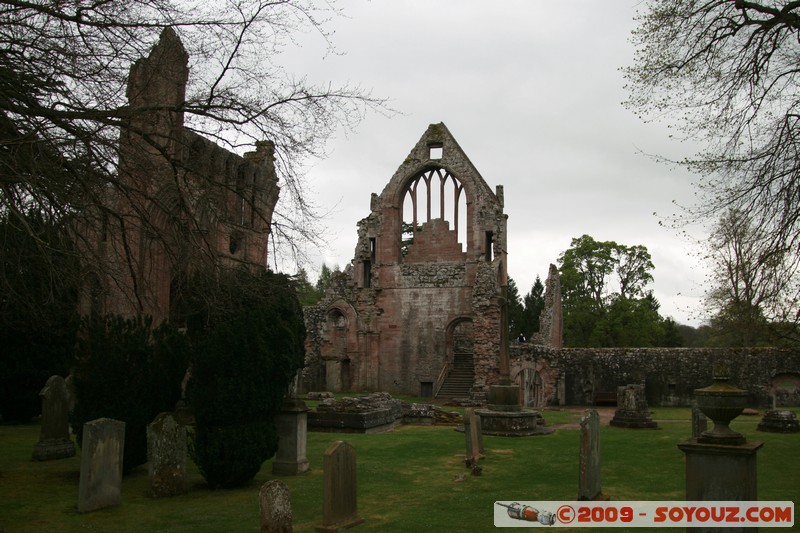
column 716, row 472
column 506, row 418
column 504, row 398
column 290, row 458
column 720, row 463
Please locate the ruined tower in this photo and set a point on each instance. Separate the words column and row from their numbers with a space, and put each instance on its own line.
column 181, row 201
column 419, row 309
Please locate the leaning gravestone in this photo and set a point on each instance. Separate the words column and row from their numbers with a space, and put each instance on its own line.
column 473, row 436
column 276, row 507
column 101, row 464
column 699, row 421
column 589, row 461
column 166, row 456
column 54, row 441
column 339, row 506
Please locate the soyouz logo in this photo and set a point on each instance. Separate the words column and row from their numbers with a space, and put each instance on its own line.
column 643, row 514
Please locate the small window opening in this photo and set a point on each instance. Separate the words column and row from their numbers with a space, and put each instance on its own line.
column 367, row 274
column 372, row 249
column 435, row 151
column 489, row 245
column 235, row 243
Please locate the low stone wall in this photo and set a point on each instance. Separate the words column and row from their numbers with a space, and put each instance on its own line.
column 572, row 376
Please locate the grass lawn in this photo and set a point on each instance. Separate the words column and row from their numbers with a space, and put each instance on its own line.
column 405, row 480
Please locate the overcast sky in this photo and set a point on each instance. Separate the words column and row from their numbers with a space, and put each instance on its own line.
column 532, row 92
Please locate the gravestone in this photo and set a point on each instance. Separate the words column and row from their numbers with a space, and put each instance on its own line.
column 699, row 421
column 632, row 410
column 101, row 464
column 276, row 507
column 473, row 436
column 779, row 421
column 589, row 461
column 166, row 456
column 54, row 440
column 339, row 505
column 477, row 429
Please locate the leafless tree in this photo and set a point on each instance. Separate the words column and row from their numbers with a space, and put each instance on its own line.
column 725, row 72
column 63, row 72
column 752, row 283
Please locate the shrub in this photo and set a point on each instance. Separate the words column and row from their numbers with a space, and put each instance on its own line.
column 248, row 348
column 128, row 372
column 38, row 317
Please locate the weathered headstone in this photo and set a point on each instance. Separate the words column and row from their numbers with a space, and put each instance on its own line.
column 589, row 461
column 166, row 456
column 477, row 428
column 54, row 440
column 473, row 436
column 339, row 505
column 276, row 507
column 699, row 421
column 101, row 464
column 632, row 410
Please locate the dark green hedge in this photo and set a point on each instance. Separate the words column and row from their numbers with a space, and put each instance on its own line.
column 129, row 372
column 248, row 347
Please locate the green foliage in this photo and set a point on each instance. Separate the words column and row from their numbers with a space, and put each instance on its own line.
column 605, row 298
column 534, row 305
column 523, row 312
column 307, row 293
column 38, row 318
column 326, row 278
column 247, row 350
column 128, row 372
column 516, row 310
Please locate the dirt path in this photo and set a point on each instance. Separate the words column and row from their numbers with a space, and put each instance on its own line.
column 605, row 413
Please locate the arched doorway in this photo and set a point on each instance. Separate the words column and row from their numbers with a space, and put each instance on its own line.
column 532, row 388
column 334, row 352
column 460, row 371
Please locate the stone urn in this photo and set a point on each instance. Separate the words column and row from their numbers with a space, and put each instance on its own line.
column 721, row 402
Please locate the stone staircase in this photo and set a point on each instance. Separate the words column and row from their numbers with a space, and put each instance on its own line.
column 459, row 381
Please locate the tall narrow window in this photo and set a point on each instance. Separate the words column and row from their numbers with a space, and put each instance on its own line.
column 434, row 194
column 489, row 245
column 367, row 274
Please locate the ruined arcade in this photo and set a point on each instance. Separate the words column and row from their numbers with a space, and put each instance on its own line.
column 419, row 310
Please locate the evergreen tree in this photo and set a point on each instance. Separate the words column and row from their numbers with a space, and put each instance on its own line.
column 534, row 305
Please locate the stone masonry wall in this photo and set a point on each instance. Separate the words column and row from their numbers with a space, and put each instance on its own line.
column 670, row 375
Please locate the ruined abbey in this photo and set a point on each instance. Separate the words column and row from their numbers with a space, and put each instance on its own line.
column 420, row 309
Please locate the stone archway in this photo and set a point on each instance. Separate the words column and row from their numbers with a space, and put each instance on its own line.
column 334, row 351
column 459, row 370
